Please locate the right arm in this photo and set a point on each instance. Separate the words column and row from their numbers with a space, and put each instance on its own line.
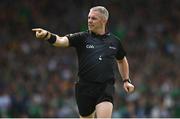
column 61, row 41
column 54, row 39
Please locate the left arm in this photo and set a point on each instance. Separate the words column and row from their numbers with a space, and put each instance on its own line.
column 123, row 67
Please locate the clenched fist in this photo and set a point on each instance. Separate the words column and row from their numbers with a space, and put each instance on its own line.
column 128, row 87
column 41, row 33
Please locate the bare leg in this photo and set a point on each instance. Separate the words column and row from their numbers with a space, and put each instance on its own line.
column 104, row 110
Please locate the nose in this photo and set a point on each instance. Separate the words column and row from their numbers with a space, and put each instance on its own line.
column 90, row 20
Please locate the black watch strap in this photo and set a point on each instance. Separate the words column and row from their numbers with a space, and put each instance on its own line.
column 126, row 80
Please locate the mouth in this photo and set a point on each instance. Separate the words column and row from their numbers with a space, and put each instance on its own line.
column 90, row 25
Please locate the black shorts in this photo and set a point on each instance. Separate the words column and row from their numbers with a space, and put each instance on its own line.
column 89, row 95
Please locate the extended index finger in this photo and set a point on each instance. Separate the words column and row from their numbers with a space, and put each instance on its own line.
column 36, row 29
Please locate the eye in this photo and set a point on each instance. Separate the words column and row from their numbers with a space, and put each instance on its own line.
column 94, row 18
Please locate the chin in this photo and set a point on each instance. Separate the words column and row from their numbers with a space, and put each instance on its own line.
column 90, row 29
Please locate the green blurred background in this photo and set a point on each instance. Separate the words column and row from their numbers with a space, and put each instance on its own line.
column 37, row 79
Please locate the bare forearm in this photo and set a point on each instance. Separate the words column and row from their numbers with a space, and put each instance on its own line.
column 61, row 41
column 123, row 67
column 51, row 38
column 58, row 41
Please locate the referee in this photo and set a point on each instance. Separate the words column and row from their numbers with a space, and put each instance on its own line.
column 98, row 51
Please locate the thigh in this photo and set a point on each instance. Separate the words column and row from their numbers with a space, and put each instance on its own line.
column 104, row 109
column 86, row 103
column 104, row 104
column 107, row 94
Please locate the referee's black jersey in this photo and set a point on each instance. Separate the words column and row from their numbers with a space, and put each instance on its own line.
column 96, row 55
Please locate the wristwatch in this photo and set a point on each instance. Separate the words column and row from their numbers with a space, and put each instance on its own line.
column 126, row 80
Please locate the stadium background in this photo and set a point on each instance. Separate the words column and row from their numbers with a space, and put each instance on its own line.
column 37, row 80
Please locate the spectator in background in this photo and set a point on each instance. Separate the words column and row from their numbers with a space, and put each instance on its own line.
column 149, row 29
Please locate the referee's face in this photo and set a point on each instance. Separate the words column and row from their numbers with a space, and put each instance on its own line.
column 96, row 21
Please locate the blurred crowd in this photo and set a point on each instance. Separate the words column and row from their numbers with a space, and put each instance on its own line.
column 37, row 79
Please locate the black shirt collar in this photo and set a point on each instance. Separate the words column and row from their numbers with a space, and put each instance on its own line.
column 99, row 35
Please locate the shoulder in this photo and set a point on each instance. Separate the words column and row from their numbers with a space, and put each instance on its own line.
column 114, row 37
column 80, row 34
column 75, row 39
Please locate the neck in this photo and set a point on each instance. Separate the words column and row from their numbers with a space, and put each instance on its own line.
column 100, row 31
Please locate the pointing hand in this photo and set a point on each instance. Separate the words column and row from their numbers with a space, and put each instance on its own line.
column 41, row 33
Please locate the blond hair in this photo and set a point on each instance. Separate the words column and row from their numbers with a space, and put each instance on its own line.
column 102, row 10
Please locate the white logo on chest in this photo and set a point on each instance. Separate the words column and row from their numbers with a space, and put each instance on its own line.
column 111, row 47
column 89, row 46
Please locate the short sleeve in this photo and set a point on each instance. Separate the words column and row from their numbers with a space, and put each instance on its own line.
column 75, row 39
column 121, row 52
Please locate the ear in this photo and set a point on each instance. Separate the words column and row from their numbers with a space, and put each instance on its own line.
column 103, row 19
